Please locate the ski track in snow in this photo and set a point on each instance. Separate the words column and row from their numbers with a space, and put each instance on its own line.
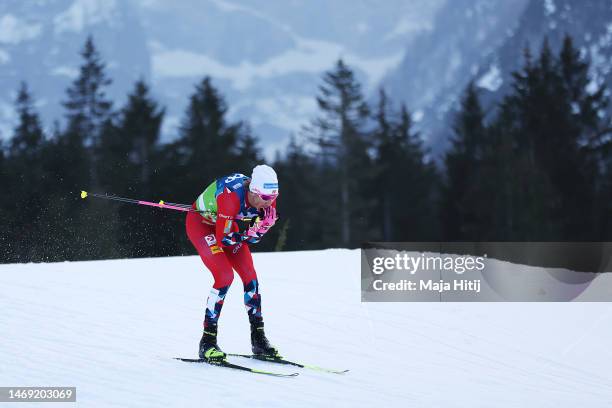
column 111, row 328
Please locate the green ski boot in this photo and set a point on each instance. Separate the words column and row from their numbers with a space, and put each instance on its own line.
column 209, row 349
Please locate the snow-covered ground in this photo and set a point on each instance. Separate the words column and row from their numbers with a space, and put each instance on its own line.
column 111, row 328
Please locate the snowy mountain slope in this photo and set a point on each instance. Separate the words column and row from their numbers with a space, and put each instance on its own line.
column 40, row 43
column 439, row 63
column 588, row 22
column 484, row 41
column 267, row 57
column 110, row 328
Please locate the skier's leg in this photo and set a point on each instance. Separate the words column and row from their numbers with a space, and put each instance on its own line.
column 242, row 261
column 203, row 239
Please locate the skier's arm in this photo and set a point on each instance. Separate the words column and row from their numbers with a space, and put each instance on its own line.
column 226, row 229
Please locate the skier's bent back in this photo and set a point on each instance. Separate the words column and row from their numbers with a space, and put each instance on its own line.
column 214, row 233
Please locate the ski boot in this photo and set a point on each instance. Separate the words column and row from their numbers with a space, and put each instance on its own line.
column 209, row 349
column 259, row 343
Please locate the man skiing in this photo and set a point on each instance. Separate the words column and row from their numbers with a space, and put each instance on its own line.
column 214, row 233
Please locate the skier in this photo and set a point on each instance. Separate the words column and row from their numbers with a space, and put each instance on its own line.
column 214, row 233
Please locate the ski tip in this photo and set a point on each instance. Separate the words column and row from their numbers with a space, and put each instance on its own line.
column 274, row 374
column 190, row 360
column 281, row 360
column 327, row 370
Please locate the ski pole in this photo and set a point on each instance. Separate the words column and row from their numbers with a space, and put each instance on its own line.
column 160, row 204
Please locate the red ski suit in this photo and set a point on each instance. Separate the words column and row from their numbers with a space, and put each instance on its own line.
column 210, row 240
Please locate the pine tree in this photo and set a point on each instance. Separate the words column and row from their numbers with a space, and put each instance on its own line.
column 405, row 182
column 527, row 187
column 132, row 159
column 89, row 111
column 554, row 116
column 29, row 180
column 414, row 208
column 501, row 180
column 463, row 164
column 207, row 146
column 130, row 149
column 588, row 105
column 387, row 158
column 89, row 117
column 341, row 138
column 300, row 201
column 28, row 136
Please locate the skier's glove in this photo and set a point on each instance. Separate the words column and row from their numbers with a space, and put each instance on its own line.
column 269, row 218
column 263, row 223
column 260, row 225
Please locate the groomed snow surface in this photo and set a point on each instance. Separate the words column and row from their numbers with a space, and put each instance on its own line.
column 111, row 328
